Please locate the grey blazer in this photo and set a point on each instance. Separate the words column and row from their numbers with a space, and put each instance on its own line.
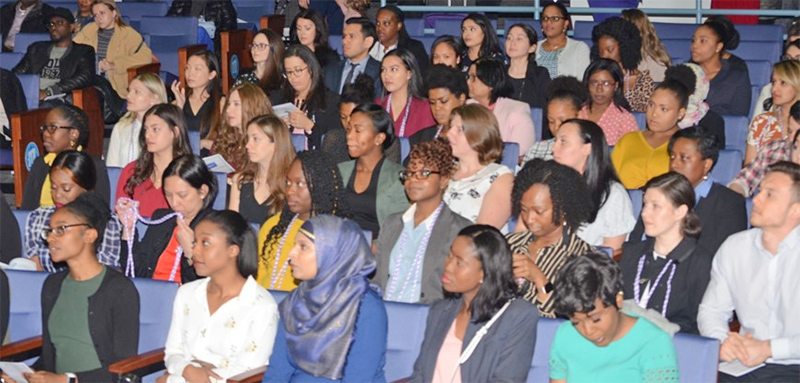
column 503, row 355
column 445, row 230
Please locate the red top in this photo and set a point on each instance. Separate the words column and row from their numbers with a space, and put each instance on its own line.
column 167, row 261
column 150, row 199
column 419, row 116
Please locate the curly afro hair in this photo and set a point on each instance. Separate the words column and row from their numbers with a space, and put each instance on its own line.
column 568, row 191
column 435, row 154
column 684, row 75
column 627, row 36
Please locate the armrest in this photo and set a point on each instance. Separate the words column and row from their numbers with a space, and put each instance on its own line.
column 253, row 376
column 154, row 67
column 22, row 349
column 140, row 365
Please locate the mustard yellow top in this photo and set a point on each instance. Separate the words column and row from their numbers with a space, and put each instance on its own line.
column 46, row 198
column 266, row 262
column 637, row 162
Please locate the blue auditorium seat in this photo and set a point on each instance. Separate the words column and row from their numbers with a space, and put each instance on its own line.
column 530, row 21
column 23, row 40
column 736, row 132
column 406, row 331
column 453, row 27
column 166, row 35
column 641, row 120
column 134, row 11
column 759, row 50
column 675, row 30
column 335, row 41
column 536, row 116
column 728, row 165
column 8, row 60
column 25, row 311
column 415, row 27
column 299, row 142
column 758, row 32
column 113, row 179
column 760, row 72
column 582, row 30
column 221, row 202
column 156, row 299
column 30, row 86
column 636, row 201
column 511, row 156
column 697, row 357
column 194, row 141
column 540, row 365
column 427, row 42
column 678, row 48
column 405, row 149
column 22, row 221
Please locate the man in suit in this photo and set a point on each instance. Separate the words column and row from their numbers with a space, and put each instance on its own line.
column 357, row 38
column 392, row 35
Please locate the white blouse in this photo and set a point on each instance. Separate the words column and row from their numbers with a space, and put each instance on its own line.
column 465, row 196
column 123, row 147
column 238, row 337
column 614, row 218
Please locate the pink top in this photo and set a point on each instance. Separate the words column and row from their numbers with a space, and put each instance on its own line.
column 448, row 357
column 150, row 199
column 514, row 120
column 419, row 116
column 614, row 122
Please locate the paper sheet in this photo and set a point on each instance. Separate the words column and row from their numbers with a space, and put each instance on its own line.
column 217, row 164
column 15, row 370
column 736, row 368
column 282, row 110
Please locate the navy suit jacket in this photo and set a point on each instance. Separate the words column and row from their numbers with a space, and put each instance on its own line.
column 333, row 75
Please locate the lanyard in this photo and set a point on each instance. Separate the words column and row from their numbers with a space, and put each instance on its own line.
column 642, row 300
column 133, row 211
column 276, row 275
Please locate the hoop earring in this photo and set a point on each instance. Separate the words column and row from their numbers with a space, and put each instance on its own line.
column 71, row 143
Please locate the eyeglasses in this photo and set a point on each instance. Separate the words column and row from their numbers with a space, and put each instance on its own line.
column 61, row 230
column 259, row 47
column 600, row 84
column 53, row 128
column 555, row 19
column 294, row 73
column 300, row 185
column 421, row 175
column 53, row 24
column 790, row 58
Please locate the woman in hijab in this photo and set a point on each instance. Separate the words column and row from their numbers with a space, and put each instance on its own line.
column 333, row 324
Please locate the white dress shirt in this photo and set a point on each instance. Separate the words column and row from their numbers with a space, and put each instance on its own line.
column 378, row 51
column 763, row 289
column 238, row 337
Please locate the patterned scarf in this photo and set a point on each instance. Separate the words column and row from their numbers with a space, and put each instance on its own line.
column 697, row 107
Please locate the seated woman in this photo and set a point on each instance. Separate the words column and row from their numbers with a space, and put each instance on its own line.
column 303, row 87
column 479, row 40
column 258, row 188
column 447, row 89
column 559, row 54
column 669, row 271
column 145, row 91
column 313, row 186
column 201, row 97
column 66, row 127
column 71, row 175
column 372, row 189
column 770, row 126
column 694, row 79
column 480, row 187
column 244, row 103
column 333, row 326
column 619, row 40
column 446, row 51
column 693, row 152
column 606, row 105
column 118, row 45
column 90, row 314
column 266, row 50
column 729, row 88
column 565, row 97
column 223, row 324
column 580, row 144
column 550, row 201
column 489, row 86
column 529, row 80
column 482, row 293
column 791, row 51
column 310, row 30
column 165, row 252
column 414, row 244
column 655, row 58
column 732, row 38
column 405, row 101
column 599, row 342
column 162, row 139
column 642, row 155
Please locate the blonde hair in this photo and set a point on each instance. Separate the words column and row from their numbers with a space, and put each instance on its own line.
column 112, row 6
column 789, row 71
column 651, row 45
column 481, row 130
column 155, row 86
column 230, row 140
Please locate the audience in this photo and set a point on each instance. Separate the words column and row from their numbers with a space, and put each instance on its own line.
column 72, row 174
column 392, row 34
column 791, row 51
column 117, row 44
column 223, row 324
column 244, row 102
column 642, row 155
column 201, row 97
column 162, row 139
column 480, row 189
column 528, row 79
column 599, row 342
column 310, row 30
column 62, row 66
column 726, row 28
column 83, row 14
column 22, row 16
column 669, row 271
column 606, row 105
column 655, row 58
column 446, row 51
column 549, row 199
column 766, row 305
column 266, row 50
column 333, row 326
column 479, row 40
column 565, row 97
column 66, row 127
column 313, row 186
column 480, row 316
column 489, row 86
column 560, row 55
column 447, row 89
column 405, row 99
column 258, row 189
column 372, row 188
column 619, row 40
column 219, row 13
column 698, row 113
column 357, row 38
column 361, row 91
column 145, row 91
column 165, row 252
column 413, row 245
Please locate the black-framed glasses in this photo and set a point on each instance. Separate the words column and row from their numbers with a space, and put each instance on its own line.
column 259, row 47
column 406, row 175
column 294, row 73
column 787, row 57
column 60, row 230
column 53, row 128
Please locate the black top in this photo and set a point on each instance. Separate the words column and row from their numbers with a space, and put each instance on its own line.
column 40, row 170
column 33, row 22
column 9, row 233
column 416, row 48
column 714, row 123
column 76, row 67
column 533, row 87
column 326, row 56
column 325, row 117
column 424, row 135
column 730, row 91
column 249, row 208
column 722, row 213
column 113, row 323
column 5, row 297
column 692, row 273
column 362, row 205
column 200, row 121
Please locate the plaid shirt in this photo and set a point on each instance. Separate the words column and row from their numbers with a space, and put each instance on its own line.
column 541, row 149
column 39, row 219
column 751, row 175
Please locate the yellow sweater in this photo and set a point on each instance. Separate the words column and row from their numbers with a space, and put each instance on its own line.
column 637, row 162
column 266, row 263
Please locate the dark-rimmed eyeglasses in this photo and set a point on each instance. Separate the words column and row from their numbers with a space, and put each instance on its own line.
column 294, row 73
column 421, row 175
column 60, row 230
column 259, row 47
column 53, row 128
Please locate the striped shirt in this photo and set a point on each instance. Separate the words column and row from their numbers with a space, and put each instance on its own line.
column 549, row 259
column 103, row 38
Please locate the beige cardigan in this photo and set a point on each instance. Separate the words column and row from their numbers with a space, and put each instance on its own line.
column 126, row 49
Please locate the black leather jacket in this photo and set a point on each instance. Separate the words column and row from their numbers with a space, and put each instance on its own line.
column 221, row 12
column 77, row 65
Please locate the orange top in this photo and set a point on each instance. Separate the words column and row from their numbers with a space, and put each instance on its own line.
column 764, row 129
column 168, row 259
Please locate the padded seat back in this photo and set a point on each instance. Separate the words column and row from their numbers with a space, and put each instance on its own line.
column 697, row 357
column 407, row 324
column 636, row 201
column 760, row 72
column 25, row 311
column 540, row 365
column 536, row 116
column 22, row 220
column 736, row 132
column 156, row 299
column 23, row 40
column 405, row 149
column 194, row 141
column 113, row 179
column 759, row 50
column 8, row 60
column 135, row 10
column 221, row 202
column 728, row 165
column 641, row 120
column 30, row 86
column 510, row 156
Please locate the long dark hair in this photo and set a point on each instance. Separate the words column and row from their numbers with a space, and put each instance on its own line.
column 492, row 72
column 214, row 88
column 491, row 44
column 271, row 79
column 238, row 233
column 416, row 87
column 316, row 94
column 613, row 68
column 80, row 165
column 321, row 47
column 180, row 145
column 194, row 171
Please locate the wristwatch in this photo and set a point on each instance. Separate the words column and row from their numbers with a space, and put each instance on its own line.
column 71, row 378
column 548, row 288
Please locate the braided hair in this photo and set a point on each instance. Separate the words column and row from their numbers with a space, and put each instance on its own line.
column 77, row 119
